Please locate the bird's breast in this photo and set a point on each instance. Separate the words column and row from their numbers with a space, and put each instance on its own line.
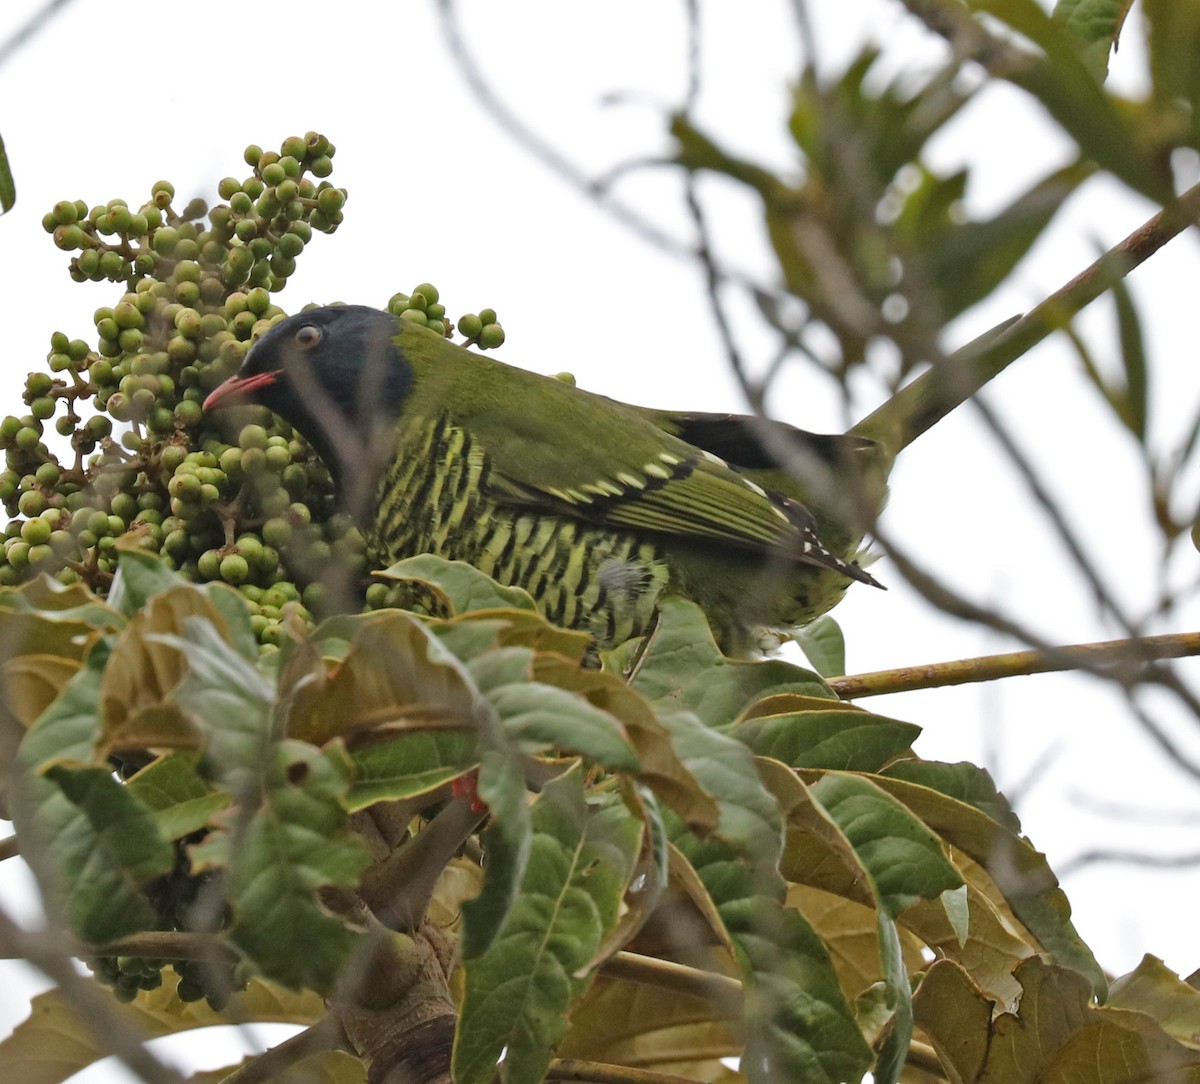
column 434, row 498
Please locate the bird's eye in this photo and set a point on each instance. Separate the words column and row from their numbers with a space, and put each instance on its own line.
column 309, row 335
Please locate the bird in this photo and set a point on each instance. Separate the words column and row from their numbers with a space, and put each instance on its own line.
column 599, row 509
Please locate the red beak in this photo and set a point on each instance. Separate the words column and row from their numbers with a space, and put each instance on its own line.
column 240, row 389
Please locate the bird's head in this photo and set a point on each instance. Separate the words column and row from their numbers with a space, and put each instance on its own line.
column 336, row 375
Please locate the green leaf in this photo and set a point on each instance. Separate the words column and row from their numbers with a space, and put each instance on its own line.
column 903, row 856
column 294, row 844
column 749, row 822
column 457, row 586
column 519, row 991
column 966, row 261
column 227, row 700
column 409, row 765
column 826, row 735
column 66, row 847
column 1096, row 24
column 1173, row 40
column 1021, row 874
column 1108, row 131
column 140, row 576
column 963, row 781
column 824, row 646
column 179, row 800
column 1132, row 409
column 58, row 602
column 681, row 669
column 540, row 717
column 8, row 188
column 894, row 1051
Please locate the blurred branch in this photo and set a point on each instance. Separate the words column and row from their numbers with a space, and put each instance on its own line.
column 273, row 1063
column 598, row 1072
column 597, row 190
column 678, row 978
column 97, row 1008
column 1131, row 656
column 36, row 22
column 954, row 379
column 1129, row 858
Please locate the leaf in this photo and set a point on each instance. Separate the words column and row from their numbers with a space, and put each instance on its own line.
column 178, row 798
column 31, row 683
column 991, row 950
column 1056, row 1034
column 139, row 577
column 141, row 709
column 1060, row 80
column 396, row 676
column 824, row 646
column 850, row 933
column 459, row 587
column 8, row 188
column 628, row 1023
column 1020, row 873
column 62, row 844
column 295, row 843
column 963, row 781
column 128, row 842
column 749, row 821
column 1173, row 39
column 1154, row 989
column 1096, row 24
column 966, row 262
column 538, row 718
column 903, row 857
column 681, row 669
column 1133, row 356
column 55, row 601
column 799, row 1025
column 660, row 767
column 56, row 1041
column 408, row 765
column 824, row 735
column 518, row 992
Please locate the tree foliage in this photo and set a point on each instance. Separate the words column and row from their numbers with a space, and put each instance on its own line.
column 406, row 812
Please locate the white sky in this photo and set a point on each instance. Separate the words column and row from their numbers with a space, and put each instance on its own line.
column 114, row 95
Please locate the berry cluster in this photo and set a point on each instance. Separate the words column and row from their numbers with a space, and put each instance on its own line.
column 236, row 496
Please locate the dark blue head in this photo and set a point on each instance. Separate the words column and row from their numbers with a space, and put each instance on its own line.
column 334, row 374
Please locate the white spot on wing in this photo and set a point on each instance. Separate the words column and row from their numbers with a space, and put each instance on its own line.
column 669, row 458
column 655, row 470
column 630, row 480
column 713, row 458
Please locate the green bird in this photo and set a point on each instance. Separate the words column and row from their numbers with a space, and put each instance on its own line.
column 597, row 508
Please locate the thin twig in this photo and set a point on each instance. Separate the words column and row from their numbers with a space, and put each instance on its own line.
column 598, row 1072
column 678, row 978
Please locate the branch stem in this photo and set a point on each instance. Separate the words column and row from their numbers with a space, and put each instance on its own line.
column 1107, row 655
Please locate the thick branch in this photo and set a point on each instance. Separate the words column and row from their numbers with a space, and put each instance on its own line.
column 953, row 380
column 1109, row 655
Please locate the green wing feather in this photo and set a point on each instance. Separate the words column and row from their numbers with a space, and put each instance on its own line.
column 624, row 469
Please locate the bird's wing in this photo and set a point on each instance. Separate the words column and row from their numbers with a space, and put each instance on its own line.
column 552, row 447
